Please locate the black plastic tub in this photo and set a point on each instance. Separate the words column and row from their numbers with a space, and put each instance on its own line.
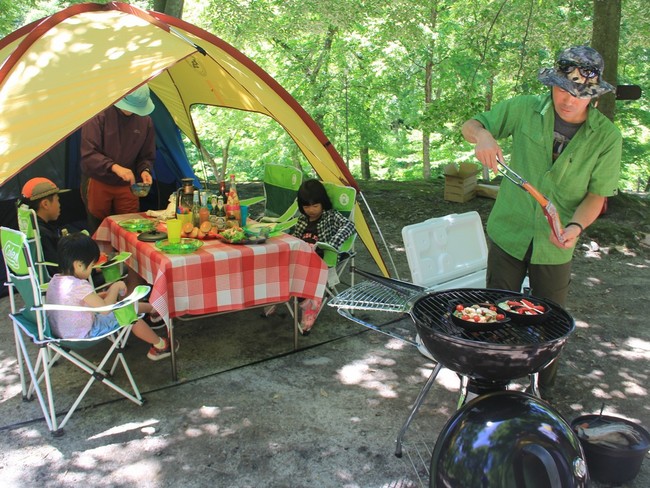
column 612, row 465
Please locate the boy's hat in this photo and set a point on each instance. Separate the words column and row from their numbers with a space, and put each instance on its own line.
column 38, row 188
column 579, row 71
column 138, row 101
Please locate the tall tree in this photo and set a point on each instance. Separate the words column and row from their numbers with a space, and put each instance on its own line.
column 169, row 7
column 605, row 39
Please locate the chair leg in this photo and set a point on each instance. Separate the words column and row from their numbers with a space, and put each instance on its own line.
column 45, row 401
column 97, row 373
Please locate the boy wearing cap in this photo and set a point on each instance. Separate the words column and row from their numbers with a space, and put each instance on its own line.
column 42, row 196
column 117, row 149
column 565, row 148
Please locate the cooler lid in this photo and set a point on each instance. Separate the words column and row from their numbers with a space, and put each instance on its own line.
column 444, row 248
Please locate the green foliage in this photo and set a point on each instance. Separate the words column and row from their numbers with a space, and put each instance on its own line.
column 358, row 68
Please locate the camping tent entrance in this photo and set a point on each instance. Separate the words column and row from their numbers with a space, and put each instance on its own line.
column 58, row 72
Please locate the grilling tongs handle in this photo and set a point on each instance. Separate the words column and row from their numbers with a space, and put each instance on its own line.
column 549, row 209
column 521, row 182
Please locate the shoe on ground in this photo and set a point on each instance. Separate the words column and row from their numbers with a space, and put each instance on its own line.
column 422, row 348
column 156, row 354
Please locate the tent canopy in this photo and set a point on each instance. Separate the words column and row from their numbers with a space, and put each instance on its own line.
column 60, row 71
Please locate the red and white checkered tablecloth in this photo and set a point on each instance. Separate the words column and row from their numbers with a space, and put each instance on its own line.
column 219, row 277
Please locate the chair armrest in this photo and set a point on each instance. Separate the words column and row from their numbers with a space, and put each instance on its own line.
column 136, row 295
column 284, row 226
column 252, row 201
column 330, row 253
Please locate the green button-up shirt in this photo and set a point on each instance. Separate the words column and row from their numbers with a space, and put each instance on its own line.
column 590, row 163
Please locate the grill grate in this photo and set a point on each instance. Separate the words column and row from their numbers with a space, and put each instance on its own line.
column 432, row 311
column 371, row 295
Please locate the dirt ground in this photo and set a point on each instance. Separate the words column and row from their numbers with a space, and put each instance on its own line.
column 249, row 411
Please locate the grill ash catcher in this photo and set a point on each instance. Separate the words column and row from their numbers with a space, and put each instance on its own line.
column 487, row 361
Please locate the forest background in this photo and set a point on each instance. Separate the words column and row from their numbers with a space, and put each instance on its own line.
column 391, row 81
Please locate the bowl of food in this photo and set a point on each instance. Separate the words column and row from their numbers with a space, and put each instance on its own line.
column 477, row 316
column 524, row 310
column 614, row 447
column 140, row 189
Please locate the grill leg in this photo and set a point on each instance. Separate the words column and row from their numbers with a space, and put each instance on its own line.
column 534, row 385
column 464, row 380
column 416, row 406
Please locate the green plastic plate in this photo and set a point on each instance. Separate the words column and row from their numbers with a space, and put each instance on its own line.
column 186, row 246
column 138, row 225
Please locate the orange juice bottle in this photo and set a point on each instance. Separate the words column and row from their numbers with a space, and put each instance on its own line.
column 232, row 205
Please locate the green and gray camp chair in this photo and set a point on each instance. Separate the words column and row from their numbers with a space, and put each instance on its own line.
column 344, row 200
column 31, row 325
column 28, row 225
column 281, row 183
column 112, row 271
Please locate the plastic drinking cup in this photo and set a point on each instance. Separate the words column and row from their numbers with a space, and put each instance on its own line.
column 174, row 230
column 244, row 214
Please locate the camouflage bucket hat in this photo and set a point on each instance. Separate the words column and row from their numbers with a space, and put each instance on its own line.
column 578, row 71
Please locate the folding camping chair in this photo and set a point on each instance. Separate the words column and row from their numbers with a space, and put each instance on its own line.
column 31, row 325
column 28, row 224
column 281, row 183
column 344, row 199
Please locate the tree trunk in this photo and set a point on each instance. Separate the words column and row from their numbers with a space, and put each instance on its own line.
column 364, row 155
column 225, row 154
column 169, row 7
column 488, row 105
column 428, row 95
column 426, row 133
column 605, row 39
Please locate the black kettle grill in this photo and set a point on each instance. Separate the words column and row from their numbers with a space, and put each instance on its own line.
column 488, row 360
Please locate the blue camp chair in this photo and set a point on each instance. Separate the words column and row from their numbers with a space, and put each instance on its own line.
column 31, row 325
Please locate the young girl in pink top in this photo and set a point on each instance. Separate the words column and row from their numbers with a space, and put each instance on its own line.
column 78, row 253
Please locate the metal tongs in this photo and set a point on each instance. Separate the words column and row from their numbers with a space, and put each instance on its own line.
column 547, row 206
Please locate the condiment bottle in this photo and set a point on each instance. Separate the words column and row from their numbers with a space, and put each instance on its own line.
column 204, row 213
column 222, row 191
column 195, row 209
column 232, row 206
column 221, row 215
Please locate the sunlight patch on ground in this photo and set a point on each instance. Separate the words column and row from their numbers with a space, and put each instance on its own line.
column 130, row 426
column 17, row 461
column 373, row 372
column 637, row 349
column 9, row 378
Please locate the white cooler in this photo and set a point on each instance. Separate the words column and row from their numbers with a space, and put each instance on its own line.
column 447, row 252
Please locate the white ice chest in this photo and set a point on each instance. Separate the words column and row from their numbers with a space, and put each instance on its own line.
column 447, row 252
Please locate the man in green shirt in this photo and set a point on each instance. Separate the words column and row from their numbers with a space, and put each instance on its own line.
column 565, row 148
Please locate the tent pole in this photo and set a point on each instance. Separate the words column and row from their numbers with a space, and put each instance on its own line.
column 372, row 215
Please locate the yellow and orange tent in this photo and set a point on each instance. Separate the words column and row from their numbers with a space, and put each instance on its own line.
column 58, row 72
